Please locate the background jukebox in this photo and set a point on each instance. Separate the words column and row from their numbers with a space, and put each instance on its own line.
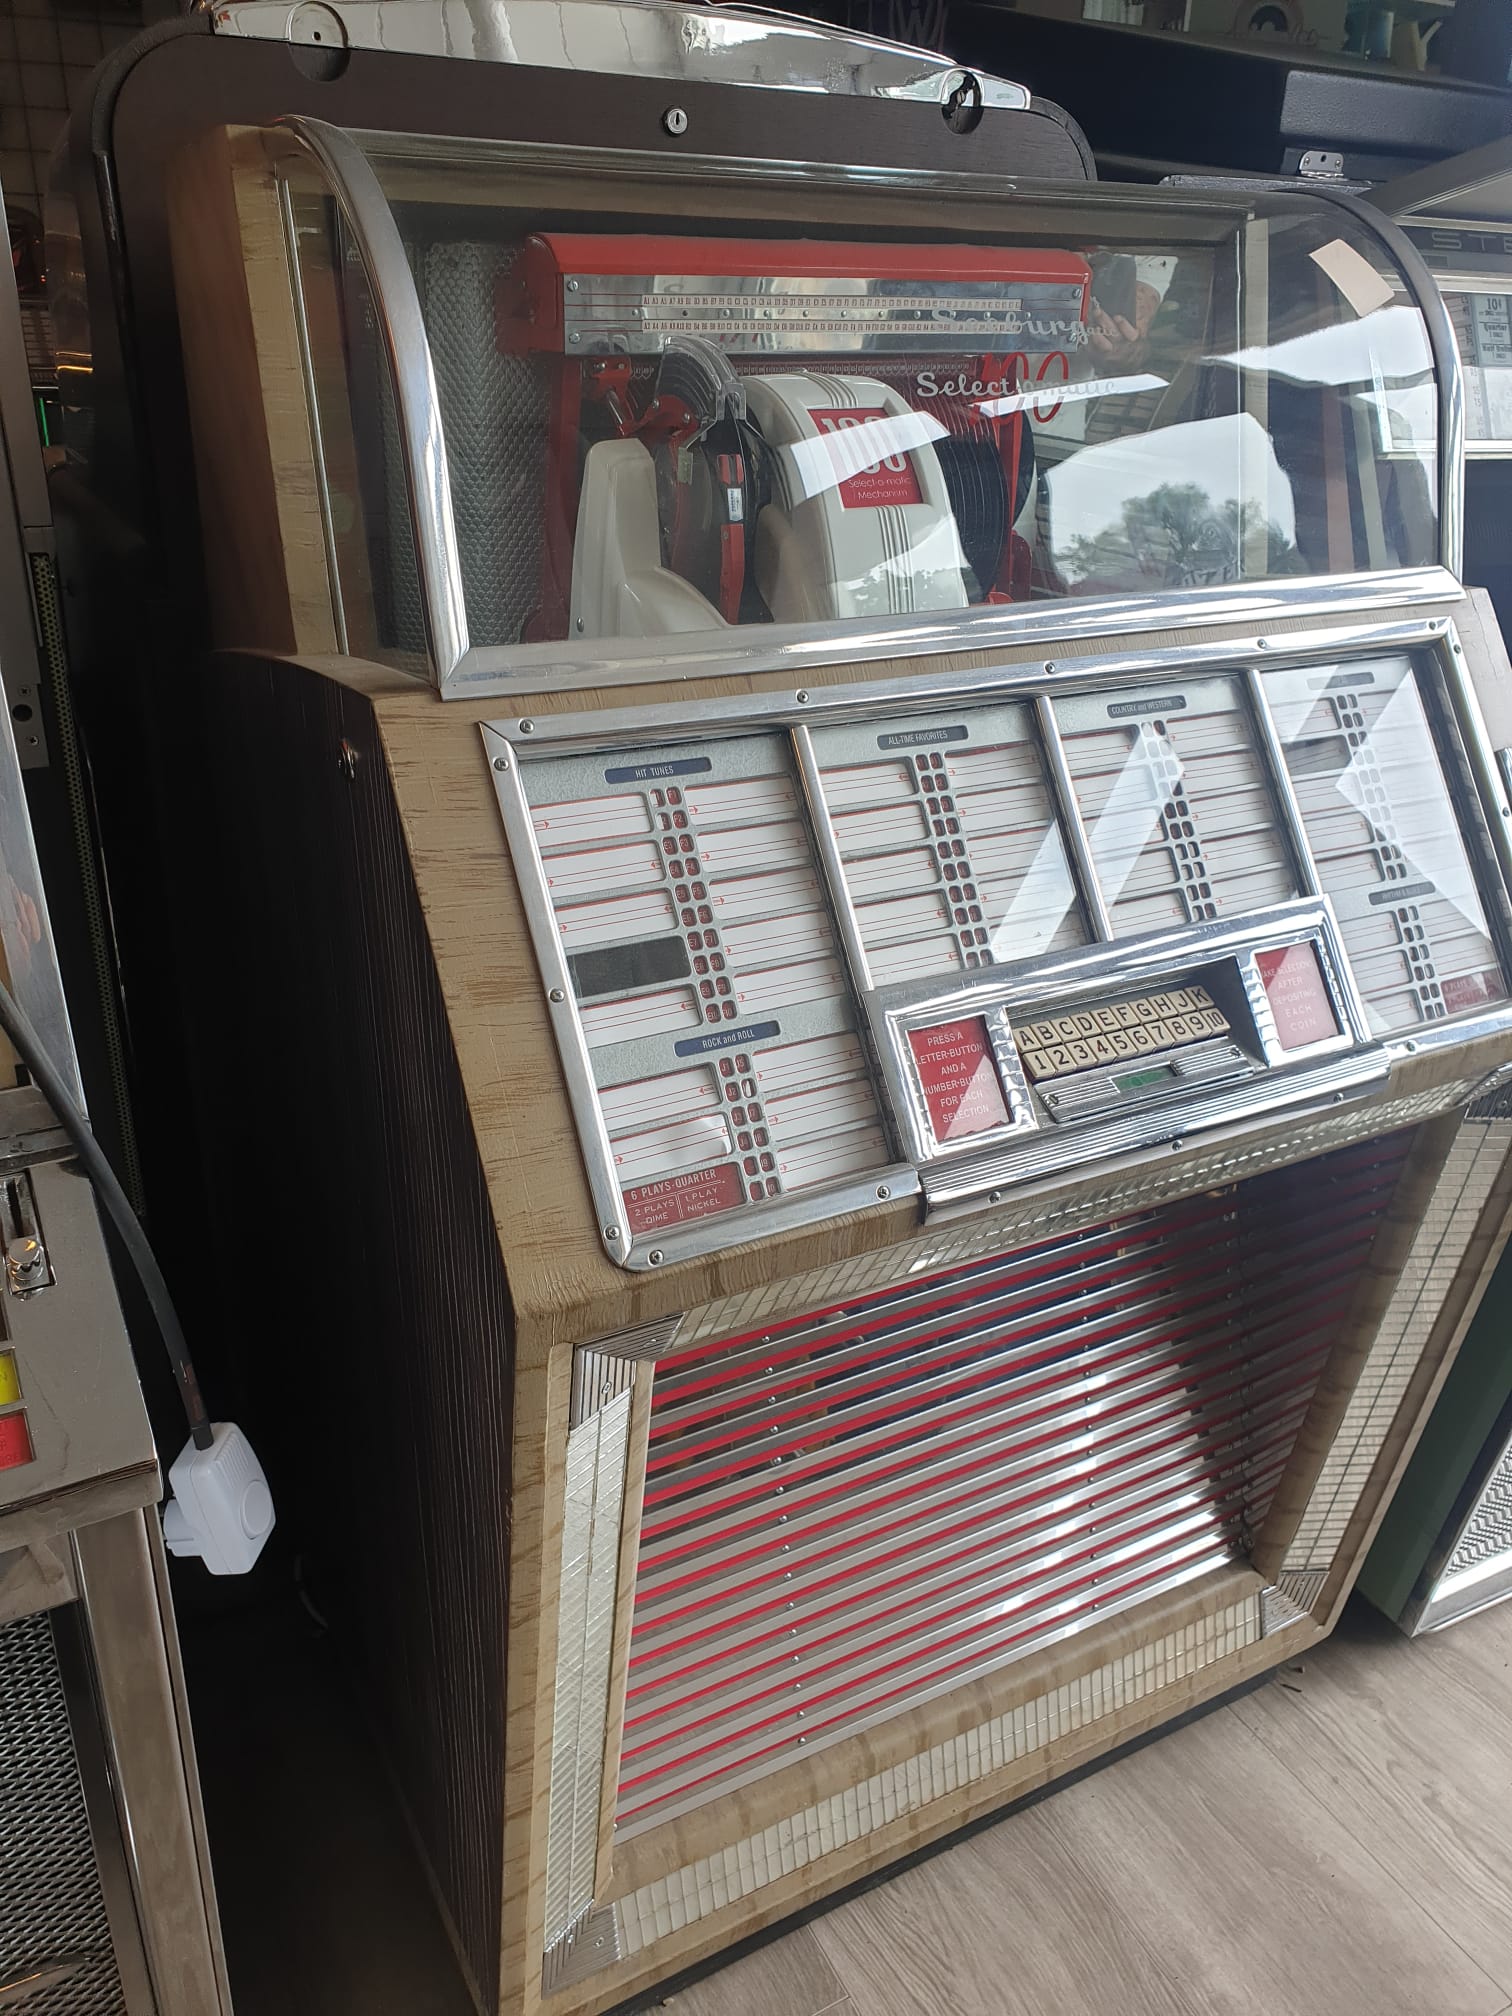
column 870, row 930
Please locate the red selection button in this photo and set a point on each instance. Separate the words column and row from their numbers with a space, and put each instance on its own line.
column 15, row 1441
column 959, row 1077
column 1298, row 996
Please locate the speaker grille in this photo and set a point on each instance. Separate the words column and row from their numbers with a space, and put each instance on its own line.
column 853, row 1511
column 52, row 1912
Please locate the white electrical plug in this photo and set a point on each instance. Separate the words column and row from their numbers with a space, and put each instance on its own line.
column 221, row 1508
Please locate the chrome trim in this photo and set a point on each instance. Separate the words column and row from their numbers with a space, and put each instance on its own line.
column 647, row 1341
column 927, row 687
column 598, row 1376
column 1349, row 1065
column 1070, row 1411
column 593, row 1483
column 852, row 1655
column 1277, row 1611
column 1073, row 826
column 1412, row 266
column 821, row 825
column 1212, row 1557
column 592, row 1944
column 422, row 439
column 645, row 314
column 1055, row 982
column 457, row 666
column 680, row 1242
column 312, row 404
column 811, row 1554
column 1466, row 1596
column 767, row 49
column 605, row 163
column 950, row 1188
column 798, row 648
column 1496, row 806
column 1454, row 1033
column 829, row 856
column 1279, row 778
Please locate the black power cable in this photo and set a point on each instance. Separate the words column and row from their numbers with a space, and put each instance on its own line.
column 49, row 1082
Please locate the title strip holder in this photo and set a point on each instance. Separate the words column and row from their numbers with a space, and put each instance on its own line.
column 973, row 1176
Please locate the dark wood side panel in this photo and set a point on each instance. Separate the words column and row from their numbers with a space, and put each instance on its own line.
column 363, row 1273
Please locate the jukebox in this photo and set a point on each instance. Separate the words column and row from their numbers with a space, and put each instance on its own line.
column 856, row 902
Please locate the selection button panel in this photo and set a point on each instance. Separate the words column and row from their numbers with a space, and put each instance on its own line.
column 1118, row 1032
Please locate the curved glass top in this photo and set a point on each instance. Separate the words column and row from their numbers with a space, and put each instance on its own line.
column 569, row 417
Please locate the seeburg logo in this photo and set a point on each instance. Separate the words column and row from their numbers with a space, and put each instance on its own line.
column 1013, row 376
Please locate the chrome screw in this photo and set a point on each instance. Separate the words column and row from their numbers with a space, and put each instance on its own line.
column 556, row 994
column 801, row 696
column 611, row 1233
column 655, row 1256
column 527, row 727
column 883, row 1191
column 501, row 762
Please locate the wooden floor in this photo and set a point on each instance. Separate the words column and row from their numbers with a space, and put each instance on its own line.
column 1338, row 1843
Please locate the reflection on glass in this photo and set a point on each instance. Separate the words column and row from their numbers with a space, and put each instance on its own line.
column 953, row 858
column 652, row 430
column 1383, row 831
column 1172, row 789
column 1219, row 510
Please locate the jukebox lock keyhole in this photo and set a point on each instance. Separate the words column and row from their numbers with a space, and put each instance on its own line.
column 963, row 108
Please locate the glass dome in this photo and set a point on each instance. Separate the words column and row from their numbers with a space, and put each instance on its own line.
column 576, row 419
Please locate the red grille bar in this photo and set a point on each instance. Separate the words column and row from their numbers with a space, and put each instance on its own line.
column 870, row 1503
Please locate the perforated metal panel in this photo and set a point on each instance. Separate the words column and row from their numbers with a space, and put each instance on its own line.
column 52, row 1911
column 494, row 410
column 867, row 1506
column 1488, row 1536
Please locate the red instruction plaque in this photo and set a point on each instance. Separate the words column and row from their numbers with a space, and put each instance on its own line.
column 673, row 1200
column 960, row 1080
column 869, row 469
column 1294, row 986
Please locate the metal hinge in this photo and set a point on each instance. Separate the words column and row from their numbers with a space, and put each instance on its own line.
column 1321, row 164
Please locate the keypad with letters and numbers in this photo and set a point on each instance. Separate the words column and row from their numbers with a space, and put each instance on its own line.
column 1115, row 1032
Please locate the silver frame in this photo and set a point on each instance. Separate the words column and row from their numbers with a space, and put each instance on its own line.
column 1059, row 981
column 759, row 48
column 458, row 667
column 683, row 1242
column 1350, row 1066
